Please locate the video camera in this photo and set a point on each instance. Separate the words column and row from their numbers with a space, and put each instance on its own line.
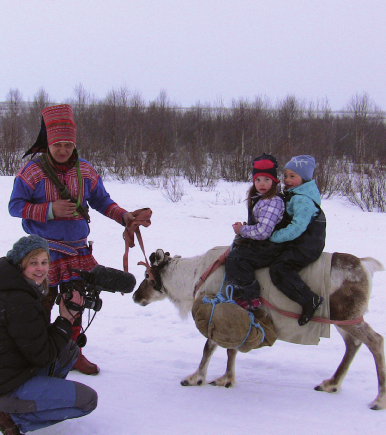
column 100, row 278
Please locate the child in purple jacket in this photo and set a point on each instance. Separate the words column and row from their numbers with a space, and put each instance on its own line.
column 252, row 248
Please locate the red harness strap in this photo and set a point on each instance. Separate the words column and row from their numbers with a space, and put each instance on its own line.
column 219, row 262
column 314, row 319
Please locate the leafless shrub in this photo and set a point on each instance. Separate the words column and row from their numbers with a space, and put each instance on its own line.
column 207, row 183
column 172, row 189
column 331, row 176
column 231, row 198
column 367, row 191
column 9, row 161
column 204, row 177
column 153, row 182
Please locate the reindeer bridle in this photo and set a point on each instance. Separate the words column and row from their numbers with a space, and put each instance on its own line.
column 156, row 281
column 153, row 272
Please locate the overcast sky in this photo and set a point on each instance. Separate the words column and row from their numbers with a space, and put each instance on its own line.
column 204, row 51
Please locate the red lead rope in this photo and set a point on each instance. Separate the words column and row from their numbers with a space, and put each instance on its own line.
column 138, row 218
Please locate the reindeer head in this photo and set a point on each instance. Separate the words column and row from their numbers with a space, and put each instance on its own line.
column 151, row 288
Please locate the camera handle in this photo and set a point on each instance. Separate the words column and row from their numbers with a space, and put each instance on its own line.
column 68, row 303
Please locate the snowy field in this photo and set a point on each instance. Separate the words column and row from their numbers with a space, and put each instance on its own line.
column 144, row 352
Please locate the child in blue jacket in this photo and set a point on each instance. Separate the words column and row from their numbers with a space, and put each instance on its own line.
column 303, row 237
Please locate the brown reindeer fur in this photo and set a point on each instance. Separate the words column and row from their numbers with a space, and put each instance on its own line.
column 350, row 300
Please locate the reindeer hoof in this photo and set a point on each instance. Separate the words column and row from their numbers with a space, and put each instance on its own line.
column 376, row 407
column 186, row 383
column 215, row 384
column 320, row 388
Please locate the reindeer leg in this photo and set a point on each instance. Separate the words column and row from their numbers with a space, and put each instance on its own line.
column 354, row 336
column 199, row 376
column 229, row 377
column 375, row 342
column 352, row 347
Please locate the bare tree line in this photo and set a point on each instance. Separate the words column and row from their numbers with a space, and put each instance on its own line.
column 127, row 139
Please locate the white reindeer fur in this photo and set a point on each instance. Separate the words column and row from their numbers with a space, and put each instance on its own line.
column 181, row 275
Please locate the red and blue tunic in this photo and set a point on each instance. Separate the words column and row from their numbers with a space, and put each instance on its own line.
column 30, row 200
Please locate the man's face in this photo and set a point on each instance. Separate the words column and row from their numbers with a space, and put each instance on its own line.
column 61, row 151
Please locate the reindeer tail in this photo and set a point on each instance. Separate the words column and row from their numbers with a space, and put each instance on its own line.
column 372, row 265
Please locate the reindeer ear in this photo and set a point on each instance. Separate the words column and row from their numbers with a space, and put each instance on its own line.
column 152, row 258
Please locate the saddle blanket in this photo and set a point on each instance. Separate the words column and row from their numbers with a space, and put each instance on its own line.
column 317, row 276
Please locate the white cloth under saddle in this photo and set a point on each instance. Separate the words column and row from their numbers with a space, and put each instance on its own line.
column 318, row 277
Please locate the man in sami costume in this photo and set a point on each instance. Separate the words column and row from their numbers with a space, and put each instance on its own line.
column 51, row 194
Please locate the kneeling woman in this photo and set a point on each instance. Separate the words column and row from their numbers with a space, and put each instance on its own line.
column 35, row 356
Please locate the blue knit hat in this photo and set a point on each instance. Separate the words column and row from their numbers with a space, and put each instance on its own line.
column 303, row 166
column 25, row 245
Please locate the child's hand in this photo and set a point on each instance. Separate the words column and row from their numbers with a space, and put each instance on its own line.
column 237, row 227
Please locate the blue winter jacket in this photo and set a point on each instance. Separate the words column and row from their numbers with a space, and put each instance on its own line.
column 301, row 208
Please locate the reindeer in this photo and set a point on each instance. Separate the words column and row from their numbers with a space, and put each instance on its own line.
column 176, row 278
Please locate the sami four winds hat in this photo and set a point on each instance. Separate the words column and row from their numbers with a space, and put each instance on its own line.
column 57, row 125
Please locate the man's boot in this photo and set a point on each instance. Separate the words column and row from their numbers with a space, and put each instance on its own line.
column 83, row 365
column 7, row 425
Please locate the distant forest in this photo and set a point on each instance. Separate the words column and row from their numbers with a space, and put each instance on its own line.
column 128, row 139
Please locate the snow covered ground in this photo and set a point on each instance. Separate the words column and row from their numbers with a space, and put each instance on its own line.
column 144, row 352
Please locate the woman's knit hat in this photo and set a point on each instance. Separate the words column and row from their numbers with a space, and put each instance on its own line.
column 25, row 245
column 303, row 166
column 57, row 125
column 265, row 165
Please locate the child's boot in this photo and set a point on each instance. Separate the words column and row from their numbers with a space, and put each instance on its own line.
column 250, row 292
column 309, row 309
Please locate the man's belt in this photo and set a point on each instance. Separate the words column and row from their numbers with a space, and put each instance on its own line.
column 67, row 247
